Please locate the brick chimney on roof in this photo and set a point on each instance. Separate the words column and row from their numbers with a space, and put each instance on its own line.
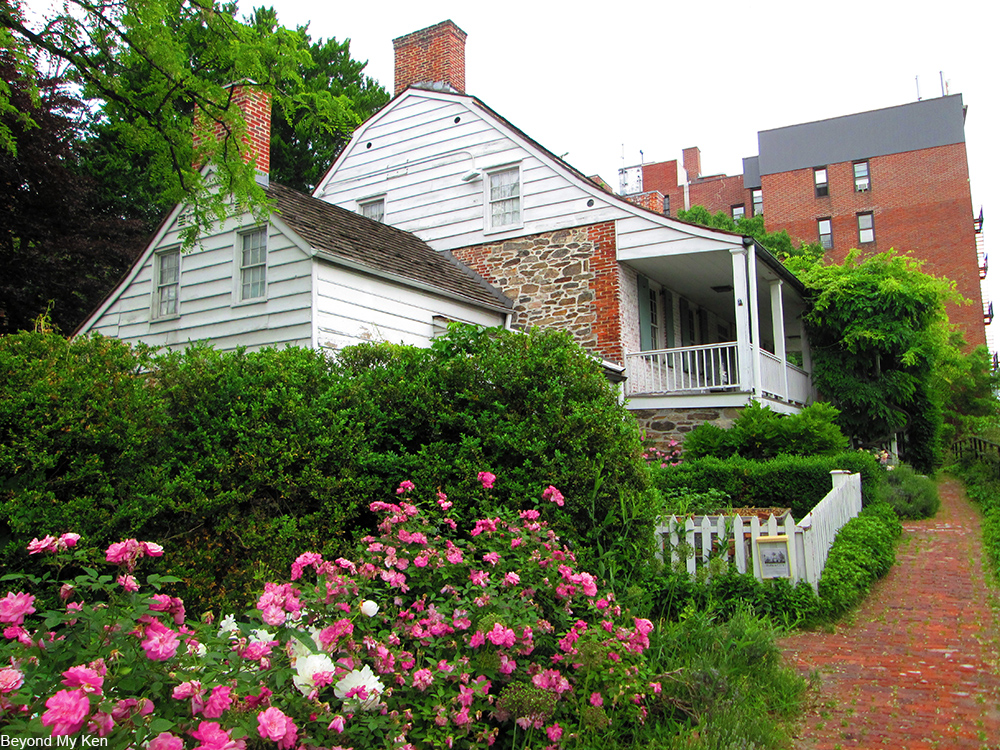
column 255, row 104
column 692, row 163
column 433, row 57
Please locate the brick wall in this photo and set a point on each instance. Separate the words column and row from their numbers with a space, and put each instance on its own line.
column 652, row 200
column 432, row 55
column 569, row 279
column 921, row 204
column 255, row 104
column 720, row 194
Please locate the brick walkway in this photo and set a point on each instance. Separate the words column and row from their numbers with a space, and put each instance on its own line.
column 917, row 665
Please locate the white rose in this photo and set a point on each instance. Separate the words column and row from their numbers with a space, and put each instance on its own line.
column 363, row 677
column 306, row 667
column 369, row 608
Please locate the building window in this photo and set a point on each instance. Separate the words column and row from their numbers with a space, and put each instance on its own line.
column 820, row 180
column 167, row 280
column 862, row 181
column 253, row 265
column 666, row 205
column 504, row 198
column 866, row 228
column 373, row 209
column 739, row 212
column 825, row 229
column 654, row 319
column 757, row 196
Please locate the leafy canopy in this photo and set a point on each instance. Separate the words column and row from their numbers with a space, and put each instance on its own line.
column 150, row 68
column 778, row 243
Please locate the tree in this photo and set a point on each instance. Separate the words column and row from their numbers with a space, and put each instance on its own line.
column 778, row 243
column 59, row 251
column 878, row 331
column 155, row 66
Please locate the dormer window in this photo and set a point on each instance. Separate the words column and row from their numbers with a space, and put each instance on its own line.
column 503, row 199
column 373, row 208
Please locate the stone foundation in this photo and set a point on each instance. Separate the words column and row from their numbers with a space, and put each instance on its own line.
column 662, row 425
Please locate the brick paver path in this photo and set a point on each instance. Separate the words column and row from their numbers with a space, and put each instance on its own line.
column 916, row 667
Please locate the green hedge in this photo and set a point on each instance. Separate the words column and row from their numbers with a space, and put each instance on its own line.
column 863, row 551
column 240, row 461
column 794, row 482
column 982, row 482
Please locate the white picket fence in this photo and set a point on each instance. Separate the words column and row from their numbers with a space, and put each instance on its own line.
column 808, row 541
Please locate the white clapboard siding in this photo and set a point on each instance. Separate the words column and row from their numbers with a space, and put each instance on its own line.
column 352, row 306
column 727, row 538
column 206, row 296
column 418, row 154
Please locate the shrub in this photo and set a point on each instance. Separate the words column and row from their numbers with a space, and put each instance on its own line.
column 760, row 433
column 243, row 458
column 432, row 635
column 795, row 482
column 862, row 552
column 910, row 494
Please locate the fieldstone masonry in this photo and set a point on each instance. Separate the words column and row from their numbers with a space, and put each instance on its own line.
column 566, row 279
column 661, row 425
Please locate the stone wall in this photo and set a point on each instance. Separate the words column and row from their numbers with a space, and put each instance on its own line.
column 662, row 425
column 567, row 279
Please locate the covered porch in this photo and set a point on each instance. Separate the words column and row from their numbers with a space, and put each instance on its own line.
column 734, row 331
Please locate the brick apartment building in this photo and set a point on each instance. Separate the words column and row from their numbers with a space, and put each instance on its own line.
column 890, row 178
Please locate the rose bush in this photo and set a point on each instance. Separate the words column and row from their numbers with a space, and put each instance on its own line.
column 432, row 638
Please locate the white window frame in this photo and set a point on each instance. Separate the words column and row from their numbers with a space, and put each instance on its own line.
column 365, row 204
column 156, row 296
column 866, row 231
column 739, row 211
column 239, row 268
column 488, row 201
column 862, row 183
column 828, row 221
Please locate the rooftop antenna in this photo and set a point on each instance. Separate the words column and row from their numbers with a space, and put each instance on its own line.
column 642, row 158
column 944, row 86
column 918, row 88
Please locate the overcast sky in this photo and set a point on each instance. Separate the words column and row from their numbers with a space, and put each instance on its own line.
column 596, row 81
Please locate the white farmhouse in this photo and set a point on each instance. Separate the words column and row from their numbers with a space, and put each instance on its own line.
column 701, row 320
column 313, row 274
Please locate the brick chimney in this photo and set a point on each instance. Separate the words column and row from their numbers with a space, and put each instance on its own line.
column 433, row 56
column 692, row 163
column 255, row 104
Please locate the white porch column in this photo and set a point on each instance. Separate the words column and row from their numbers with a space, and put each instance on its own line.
column 754, row 318
column 778, row 331
column 741, row 295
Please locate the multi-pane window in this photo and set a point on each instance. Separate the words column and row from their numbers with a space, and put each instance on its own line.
column 504, row 196
column 757, row 196
column 373, row 209
column 253, row 265
column 825, row 229
column 866, row 228
column 168, row 283
column 654, row 319
column 862, row 181
column 820, row 181
column 739, row 212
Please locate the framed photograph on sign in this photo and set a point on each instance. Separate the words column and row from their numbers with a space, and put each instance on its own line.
column 773, row 554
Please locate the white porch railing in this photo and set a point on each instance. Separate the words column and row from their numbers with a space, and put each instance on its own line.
column 808, row 542
column 684, row 369
column 694, row 369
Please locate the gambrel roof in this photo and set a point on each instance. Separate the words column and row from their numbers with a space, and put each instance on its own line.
column 341, row 235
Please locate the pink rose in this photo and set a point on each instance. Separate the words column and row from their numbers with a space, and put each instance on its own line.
column 214, row 737
column 553, row 495
column 405, row 486
column 10, row 680
column 272, row 724
column 487, row 478
column 161, row 642
column 36, row 545
column 85, row 678
column 165, row 741
column 67, row 712
column 218, row 702
column 68, row 540
column 14, row 607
